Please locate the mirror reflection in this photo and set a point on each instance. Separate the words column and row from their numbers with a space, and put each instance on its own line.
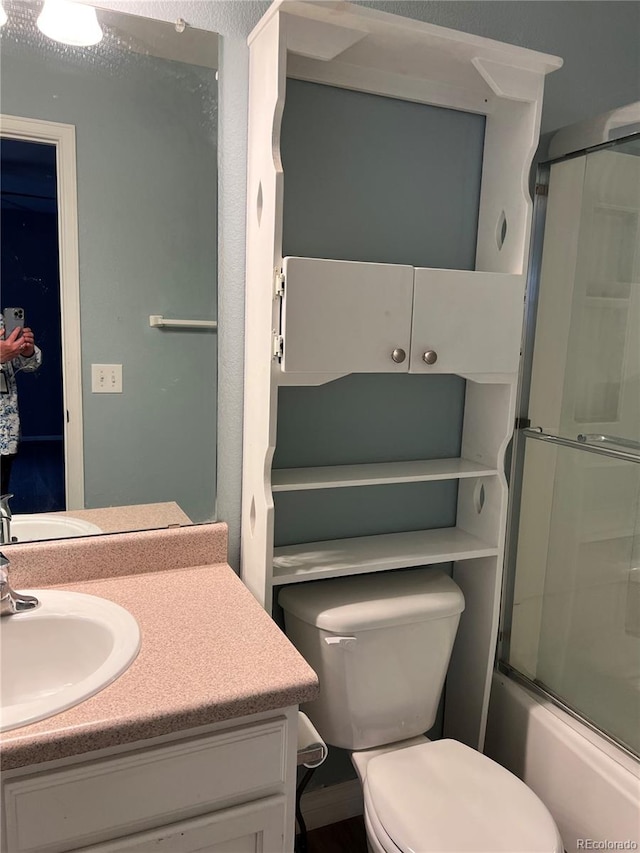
column 109, row 257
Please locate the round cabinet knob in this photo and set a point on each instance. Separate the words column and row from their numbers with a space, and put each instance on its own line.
column 430, row 357
column 398, row 355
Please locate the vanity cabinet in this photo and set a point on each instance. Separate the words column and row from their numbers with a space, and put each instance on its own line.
column 311, row 321
column 230, row 788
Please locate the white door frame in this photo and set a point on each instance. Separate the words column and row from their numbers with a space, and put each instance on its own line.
column 63, row 136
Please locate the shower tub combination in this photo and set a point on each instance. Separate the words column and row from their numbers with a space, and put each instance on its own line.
column 565, row 706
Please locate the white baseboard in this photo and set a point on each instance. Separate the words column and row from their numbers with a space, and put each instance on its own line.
column 332, row 804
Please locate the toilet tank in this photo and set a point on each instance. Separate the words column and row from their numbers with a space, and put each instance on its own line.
column 380, row 645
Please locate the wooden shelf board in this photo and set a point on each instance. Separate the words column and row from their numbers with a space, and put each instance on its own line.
column 343, row 476
column 337, row 557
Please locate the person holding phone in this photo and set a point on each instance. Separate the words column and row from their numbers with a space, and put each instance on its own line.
column 18, row 351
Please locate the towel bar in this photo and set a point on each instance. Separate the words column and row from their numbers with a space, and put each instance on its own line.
column 158, row 321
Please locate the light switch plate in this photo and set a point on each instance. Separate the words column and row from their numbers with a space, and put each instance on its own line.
column 106, row 378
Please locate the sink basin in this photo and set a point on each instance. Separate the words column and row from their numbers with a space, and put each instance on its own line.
column 55, row 656
column 29, row 528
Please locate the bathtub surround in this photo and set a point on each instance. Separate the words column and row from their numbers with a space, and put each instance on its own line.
column 591, row 788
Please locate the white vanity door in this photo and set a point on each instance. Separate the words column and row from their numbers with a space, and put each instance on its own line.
column 254, row 828
column 346, row 317
column 470, row 321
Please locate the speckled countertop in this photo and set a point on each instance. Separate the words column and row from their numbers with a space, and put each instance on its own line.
column 209, row 653
column 116, row 519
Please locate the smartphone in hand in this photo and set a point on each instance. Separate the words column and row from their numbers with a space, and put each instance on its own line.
column 13, row 319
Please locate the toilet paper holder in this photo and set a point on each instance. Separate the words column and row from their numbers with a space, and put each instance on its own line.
column 311, row 756
column 312, row 750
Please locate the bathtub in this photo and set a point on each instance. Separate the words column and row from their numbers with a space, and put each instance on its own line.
column 591, row 787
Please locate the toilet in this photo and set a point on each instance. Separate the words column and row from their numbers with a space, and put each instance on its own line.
column 381, row 645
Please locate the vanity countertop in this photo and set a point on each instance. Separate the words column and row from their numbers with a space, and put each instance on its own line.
column 117, row 519
column 209, row 653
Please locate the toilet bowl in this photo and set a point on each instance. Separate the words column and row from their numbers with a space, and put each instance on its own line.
column 381, row 645
column 444, row 797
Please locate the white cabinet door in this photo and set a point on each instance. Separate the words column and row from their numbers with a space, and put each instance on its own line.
column 345, row 317
column 472, row 321
column 255, row 828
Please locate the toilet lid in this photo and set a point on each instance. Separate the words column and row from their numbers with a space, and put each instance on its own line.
column 448, row 798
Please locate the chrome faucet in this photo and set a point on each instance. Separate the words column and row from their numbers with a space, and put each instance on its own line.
column 12, row 602
column 5, row 519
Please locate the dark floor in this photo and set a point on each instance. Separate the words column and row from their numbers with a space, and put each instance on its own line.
column 348, row 836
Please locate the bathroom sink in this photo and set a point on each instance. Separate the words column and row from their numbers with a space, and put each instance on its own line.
column 29, row 528
column 68, row 648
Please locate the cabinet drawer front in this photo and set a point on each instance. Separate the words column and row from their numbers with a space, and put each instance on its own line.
column 243, row 829
column 472, row 320
column 92, row 802
column 345, row 317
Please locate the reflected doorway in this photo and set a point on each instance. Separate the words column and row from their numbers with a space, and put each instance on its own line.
column 30, row 276
column 40, row 161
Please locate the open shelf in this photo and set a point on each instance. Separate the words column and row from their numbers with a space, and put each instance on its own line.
column 336, row 557
column 373, row 474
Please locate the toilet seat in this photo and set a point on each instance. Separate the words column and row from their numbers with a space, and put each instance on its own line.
column 379, row 841
column 445, row 797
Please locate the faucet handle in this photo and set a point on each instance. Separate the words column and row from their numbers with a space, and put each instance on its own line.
column 11, row 601
column 4, row 568
column 5, row 509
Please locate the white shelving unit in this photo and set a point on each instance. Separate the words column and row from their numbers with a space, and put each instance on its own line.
column 376, row 474
column 310, row 321
column 330, row 559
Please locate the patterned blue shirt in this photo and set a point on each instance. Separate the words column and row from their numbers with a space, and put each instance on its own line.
column 9, row 417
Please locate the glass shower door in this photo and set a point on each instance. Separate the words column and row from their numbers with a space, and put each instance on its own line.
column 576, row 623
column 575, row 618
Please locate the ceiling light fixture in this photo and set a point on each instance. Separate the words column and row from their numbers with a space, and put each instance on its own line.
column 3, row 15
column 70, row 23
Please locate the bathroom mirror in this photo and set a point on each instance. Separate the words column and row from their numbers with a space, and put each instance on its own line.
column 109, row 245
